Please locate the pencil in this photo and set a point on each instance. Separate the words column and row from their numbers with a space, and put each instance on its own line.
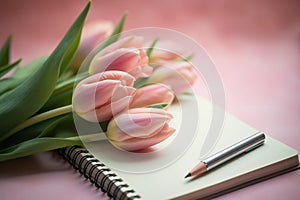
column 225, row 155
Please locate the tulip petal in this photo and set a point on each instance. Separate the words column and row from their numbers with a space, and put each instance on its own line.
column 124, row 55
column 120, row 91
column 142, row 71
column 126, row 42
column 136, row 144
column 152, row 94
column 180, row 76
column 92, row 34
column 152, row 110
column 106, row 112
column 90, row 96
column 127, row 61
column 124, row 77
column 139, row 125
column 120, row 59
column 99, row 96
column 142, row 124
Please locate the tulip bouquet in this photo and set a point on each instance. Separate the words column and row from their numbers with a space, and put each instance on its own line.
column 123, row 85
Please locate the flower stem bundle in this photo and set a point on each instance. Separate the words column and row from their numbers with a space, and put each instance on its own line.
column 119, row 84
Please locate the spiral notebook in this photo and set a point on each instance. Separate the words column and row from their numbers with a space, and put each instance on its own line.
column 269, row 160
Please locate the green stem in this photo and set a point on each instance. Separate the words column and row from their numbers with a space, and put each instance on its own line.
column 38, row 118
column 93, row 137
column 69, row 83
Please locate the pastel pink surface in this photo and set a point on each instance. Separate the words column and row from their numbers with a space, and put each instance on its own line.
column 254, row 45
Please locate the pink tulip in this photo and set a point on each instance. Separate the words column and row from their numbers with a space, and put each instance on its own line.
column 101, row 96
column 159, row 56
column 92, row 34
column 124, row 55
column 139, row 128
column 152, row 94
column 179, row 76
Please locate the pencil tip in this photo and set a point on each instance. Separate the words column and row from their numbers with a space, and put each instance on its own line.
column 188, row 175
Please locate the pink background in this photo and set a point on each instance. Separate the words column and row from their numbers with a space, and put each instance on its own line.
column 255, row 46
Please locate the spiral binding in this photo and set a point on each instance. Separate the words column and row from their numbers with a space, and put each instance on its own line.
column 98, row 174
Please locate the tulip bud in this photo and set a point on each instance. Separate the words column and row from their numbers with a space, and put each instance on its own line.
column 152, row 94
column 139, row 128
column 124, row 55
column 101, row 96
column 92, row 34
column 159, row 57
column 179, row 76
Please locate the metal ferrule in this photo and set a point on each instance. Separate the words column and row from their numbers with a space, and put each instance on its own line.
column 241, row 147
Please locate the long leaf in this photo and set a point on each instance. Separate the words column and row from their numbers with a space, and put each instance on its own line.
column 20, row 75
column 186, row 58
column 37, row 145
column 4, row 52
column 63, row 127
column 58, row 100
column 71, row 51
column 36, row 90
column 141, row 82
column 50, row 127
column 4, row 69
column 62, row 94
column 60, row 128
column 150, row 49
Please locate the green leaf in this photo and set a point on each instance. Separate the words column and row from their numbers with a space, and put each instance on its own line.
column 186, row 58
column 187, row 93
column 49, row 127
column 58, row 100
column 5, row 66
column 24, row 100
column 20, row 75
column 4, row 52
column 4, row 69
column 159, row 105
column 67, row 58
column 104, row 125
column 27, row 141
column 37, row 145
column 62, row 94
column 140, row 82
column 69, row 83
column 150, row 49
column 65, row 76
column 62, row 127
